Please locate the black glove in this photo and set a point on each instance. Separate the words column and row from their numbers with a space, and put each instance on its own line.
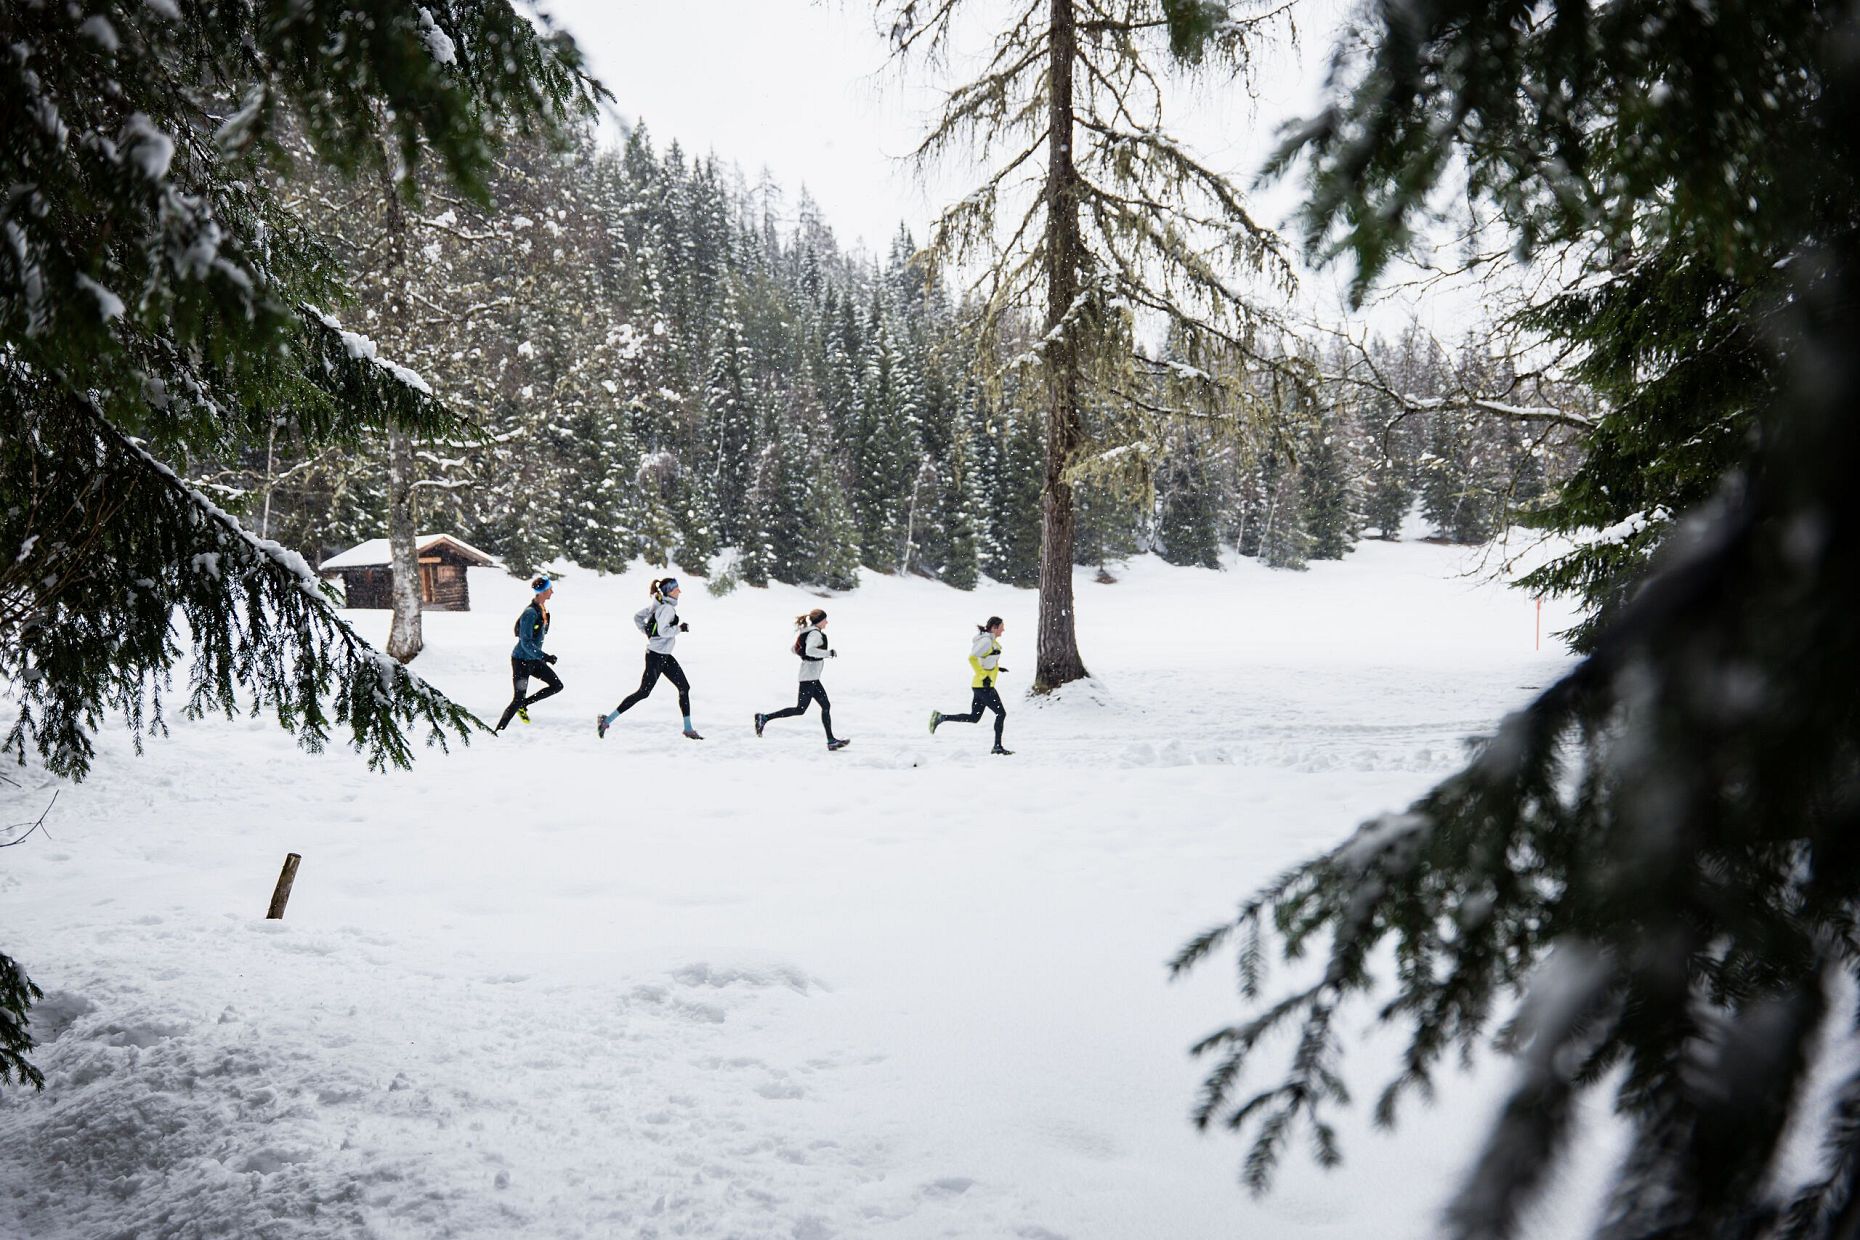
column 684, row 628
column 833, row 654
column 1001, row 671
column 548, row 658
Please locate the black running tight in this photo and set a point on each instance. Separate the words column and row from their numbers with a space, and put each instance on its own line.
column 659, row 665
column 520, row 672
column 811, row 691
column 981, row 699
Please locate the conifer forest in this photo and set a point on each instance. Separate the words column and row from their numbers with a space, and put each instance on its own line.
column 659, row 359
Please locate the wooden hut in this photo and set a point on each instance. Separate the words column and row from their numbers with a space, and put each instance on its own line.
column 368, row 581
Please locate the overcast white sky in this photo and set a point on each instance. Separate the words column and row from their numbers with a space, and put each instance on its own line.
column 804, row 89
column 790, row 85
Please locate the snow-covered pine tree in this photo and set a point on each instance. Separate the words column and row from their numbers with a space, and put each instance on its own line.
column 672, row 220
column 638, row 214
column 1389, row 493
column 1327, row 480
column 1284, row 540
column 906, row 279
column 889, row 446
column 1388, row 497
column 157, row 300
column 1271, row 501
column 645, row 372
column 1014, row 458
column 783, row 511
column 1252, row 482
column 811, row 254
column 845, row 353
column 942, row 359
column 715, row 295
column 964, row 501
column 696, row 510
column 1114, row 519
column 830, row 545
column 921, row 505
column 732, row 438
column 1451, row 498
column 1524, row 466
column 761, row 509
column 1187, row 526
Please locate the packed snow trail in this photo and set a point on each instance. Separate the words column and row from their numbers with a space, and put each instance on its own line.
column 555, row 986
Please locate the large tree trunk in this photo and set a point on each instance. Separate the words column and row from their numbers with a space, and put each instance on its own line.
column 1057, row 654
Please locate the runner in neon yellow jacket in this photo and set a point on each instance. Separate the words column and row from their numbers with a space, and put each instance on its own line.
column 985, row 655
column 985, row 659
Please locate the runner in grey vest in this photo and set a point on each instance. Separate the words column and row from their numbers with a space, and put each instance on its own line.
column 660, row 623
column 810, row 645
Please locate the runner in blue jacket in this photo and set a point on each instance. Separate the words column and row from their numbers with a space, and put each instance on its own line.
column 528, row 659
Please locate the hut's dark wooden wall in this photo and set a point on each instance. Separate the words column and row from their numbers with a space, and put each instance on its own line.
column 368, row 587
column 443, row 585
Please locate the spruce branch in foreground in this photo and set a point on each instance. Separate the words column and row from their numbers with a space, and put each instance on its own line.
column 260, row 631
column 1654, row 862
column 1649, row 878
column 154, row 295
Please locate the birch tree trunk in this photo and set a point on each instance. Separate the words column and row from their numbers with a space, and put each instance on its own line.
column 404, row 637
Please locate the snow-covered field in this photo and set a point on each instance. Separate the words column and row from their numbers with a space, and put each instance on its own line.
column 553, row 986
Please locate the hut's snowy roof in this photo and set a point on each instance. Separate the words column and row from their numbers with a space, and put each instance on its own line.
column 374, row 552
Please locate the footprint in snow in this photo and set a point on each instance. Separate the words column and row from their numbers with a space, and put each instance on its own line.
column 781, row 1091
column 703, row 1013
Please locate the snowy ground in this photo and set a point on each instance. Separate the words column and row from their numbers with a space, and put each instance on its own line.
column 550, row 986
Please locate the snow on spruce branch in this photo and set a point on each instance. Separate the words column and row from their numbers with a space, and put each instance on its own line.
column 271, row 556
column 361, row 348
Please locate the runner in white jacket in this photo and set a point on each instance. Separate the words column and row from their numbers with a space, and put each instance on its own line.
column 661, row 625
column 810, row 643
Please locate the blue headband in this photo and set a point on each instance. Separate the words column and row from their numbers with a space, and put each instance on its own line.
column 546, row 584
column 668, row 585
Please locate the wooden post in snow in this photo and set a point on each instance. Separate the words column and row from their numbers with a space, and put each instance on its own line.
column 281, row 894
